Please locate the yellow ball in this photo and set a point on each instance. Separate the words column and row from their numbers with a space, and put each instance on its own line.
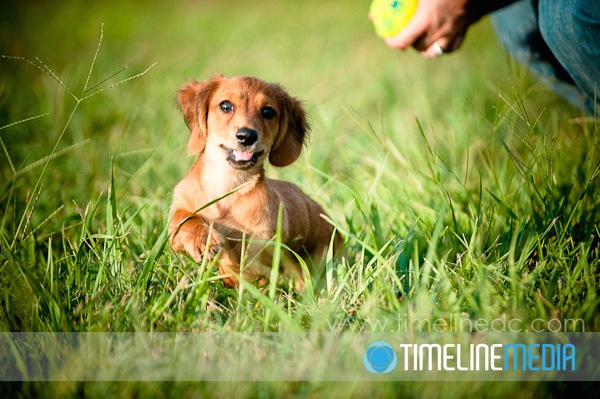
column 390, row 16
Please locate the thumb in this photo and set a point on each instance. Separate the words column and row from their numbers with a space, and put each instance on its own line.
column 415, row 29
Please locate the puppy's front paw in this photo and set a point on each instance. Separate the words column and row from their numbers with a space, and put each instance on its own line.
column 205, row 246
column 197, row 240
column 210, row 252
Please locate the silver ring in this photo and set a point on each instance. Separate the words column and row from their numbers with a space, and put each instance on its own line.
column 437, row 49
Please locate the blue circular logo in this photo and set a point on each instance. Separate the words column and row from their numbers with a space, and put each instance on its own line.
column 380, row 358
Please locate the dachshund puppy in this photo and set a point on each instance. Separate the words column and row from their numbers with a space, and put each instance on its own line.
column 236, row 124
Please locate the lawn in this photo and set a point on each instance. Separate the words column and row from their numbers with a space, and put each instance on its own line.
column 463, row 187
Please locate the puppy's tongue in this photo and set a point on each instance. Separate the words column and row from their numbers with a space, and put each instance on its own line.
column 241, row 155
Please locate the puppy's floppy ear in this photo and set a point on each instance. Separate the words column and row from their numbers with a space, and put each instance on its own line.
column 293, row 130
column 193, row 99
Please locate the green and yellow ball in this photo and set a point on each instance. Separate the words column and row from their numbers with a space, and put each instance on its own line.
column 390, row 16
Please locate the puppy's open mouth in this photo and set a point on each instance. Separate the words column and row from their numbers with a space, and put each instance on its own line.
column 242, row 159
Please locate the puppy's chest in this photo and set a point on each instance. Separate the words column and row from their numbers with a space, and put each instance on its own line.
column 234, row 217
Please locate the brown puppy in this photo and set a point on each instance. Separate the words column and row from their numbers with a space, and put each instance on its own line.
column 237, row 124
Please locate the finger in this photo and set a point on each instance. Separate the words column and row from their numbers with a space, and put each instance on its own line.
column 446, row 44
column 430, row 52
column 437, row 48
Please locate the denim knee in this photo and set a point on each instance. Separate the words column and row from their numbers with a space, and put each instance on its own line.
column 571, row 29
column 517, row 29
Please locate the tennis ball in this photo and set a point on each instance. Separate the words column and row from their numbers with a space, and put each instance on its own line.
column 390, row 16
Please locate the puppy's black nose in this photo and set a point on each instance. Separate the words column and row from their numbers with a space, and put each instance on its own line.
column 246, row 136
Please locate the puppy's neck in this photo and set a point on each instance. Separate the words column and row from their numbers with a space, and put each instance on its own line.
column 219, row 178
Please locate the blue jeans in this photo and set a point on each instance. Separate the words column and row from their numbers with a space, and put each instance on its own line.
column 559, row 40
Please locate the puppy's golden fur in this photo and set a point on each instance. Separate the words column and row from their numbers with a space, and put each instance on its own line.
column 236, row 124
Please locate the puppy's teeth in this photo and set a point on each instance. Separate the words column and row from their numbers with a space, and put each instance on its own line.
column 242, row 155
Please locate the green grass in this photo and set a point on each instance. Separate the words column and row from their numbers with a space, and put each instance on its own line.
column 463, row 187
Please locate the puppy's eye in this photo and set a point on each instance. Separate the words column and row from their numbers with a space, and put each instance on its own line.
column 268, row 113
column 226, row 107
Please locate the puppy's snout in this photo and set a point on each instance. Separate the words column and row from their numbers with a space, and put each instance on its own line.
column 246, row 136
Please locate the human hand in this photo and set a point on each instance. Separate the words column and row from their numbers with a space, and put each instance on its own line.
column 437, row 24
